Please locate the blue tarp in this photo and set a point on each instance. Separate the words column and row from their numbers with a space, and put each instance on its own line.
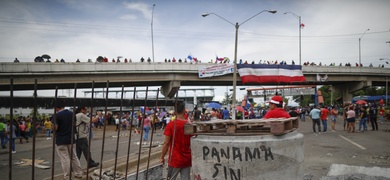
column 369, row 98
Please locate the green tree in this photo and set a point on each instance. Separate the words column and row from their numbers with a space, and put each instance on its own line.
column 32, row 113
column 227, row 99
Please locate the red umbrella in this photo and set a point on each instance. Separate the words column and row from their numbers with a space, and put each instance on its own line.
column 240, row 108
column 361, row 102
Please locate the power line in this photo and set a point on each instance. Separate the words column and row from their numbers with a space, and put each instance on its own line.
column 163, row 31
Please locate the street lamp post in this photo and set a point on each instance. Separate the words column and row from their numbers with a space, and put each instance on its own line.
column 151, row 27
column 360, row 54
column 237, row 26
column 299, row 26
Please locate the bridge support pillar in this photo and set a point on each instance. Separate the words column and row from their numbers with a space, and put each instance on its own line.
column 170, row 89
column 347, row 89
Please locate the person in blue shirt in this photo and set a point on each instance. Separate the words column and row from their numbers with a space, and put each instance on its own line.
column 225, row 114
column 315, row 116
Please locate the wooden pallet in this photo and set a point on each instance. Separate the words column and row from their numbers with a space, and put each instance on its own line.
column 276, row 126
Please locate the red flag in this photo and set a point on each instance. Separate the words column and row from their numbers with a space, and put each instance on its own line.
column 302, row 25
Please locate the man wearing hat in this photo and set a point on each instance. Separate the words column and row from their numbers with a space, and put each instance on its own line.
column 276, row 109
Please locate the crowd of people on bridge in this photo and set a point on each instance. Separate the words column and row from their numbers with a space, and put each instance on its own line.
column 192, row 60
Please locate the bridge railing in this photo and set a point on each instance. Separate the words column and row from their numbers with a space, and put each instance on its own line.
column 162, row 67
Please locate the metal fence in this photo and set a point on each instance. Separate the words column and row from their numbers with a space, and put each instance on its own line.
column 11, row 102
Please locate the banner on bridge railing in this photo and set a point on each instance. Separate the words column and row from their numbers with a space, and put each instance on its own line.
column 217, row 70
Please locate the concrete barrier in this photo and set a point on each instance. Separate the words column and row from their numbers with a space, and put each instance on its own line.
column 247, row 157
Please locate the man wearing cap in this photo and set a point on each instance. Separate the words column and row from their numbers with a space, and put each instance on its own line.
column 276, row 108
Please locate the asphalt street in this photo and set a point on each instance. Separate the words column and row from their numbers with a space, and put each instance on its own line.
column 368, row 149
column 44, row 151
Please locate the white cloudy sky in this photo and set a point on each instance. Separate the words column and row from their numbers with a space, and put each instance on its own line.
column 72, row 29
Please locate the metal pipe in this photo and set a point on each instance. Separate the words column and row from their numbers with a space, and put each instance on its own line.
column 34, row 120
column 54, row 132
column 90, row 132
column 117, row 139
column 152, row 32
column 104, row 131
column 300, row 50
column 360, row 55
column 300, row 28
column 235, row 53
column 142, row 132
column 235, row 74
column 151, row 138
column 11, row 113
column 131, row 124
column 72, row 131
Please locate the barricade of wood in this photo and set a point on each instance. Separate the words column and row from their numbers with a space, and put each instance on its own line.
column 275, row 126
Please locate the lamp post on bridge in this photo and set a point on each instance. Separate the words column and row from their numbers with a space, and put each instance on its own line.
column 360, row 39
column 151, row 27
column 237, row 26
column 300, row 27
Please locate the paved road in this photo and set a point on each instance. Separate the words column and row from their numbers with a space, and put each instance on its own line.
column 360, row 149
column 44, row 151
column 367, row 149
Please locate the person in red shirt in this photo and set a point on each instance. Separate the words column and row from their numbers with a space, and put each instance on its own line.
column 276, row 109
column 382, row 114
column 179, row 145
column 324, row 117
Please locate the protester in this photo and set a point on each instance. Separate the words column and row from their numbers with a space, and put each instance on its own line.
column 23, row 133
column 11, row 129
column 276, row 108
column 315, row 116
column 196, row 114
column 226, row 113
column 3, row 129
column 214, row 114
column 382, row 114
column 48, row 128
column 351, row 119
column 363, row 119
column 179, row 145
column 293, row 113
column 83, row 129
column 146, row 127
column 117, row 122
column 373, row 117
column 324, row 118
column 334, row 114
column 67, row 154
column 345, row 110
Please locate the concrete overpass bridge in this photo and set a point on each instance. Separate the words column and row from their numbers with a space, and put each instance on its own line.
column 170, row 76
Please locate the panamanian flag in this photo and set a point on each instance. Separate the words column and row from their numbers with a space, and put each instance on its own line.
column 263, row 73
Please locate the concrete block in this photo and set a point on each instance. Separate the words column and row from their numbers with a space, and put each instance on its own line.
column 248, row 157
